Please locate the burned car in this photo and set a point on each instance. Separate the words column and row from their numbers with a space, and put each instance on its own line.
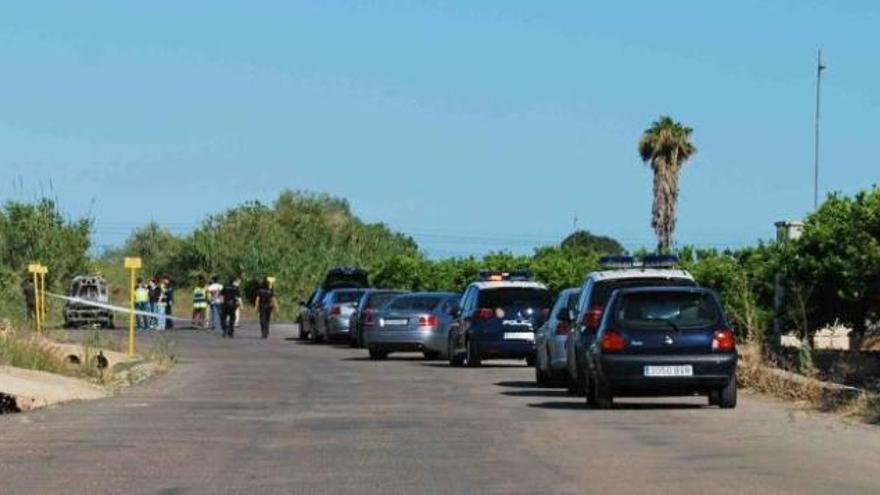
column 80, row 313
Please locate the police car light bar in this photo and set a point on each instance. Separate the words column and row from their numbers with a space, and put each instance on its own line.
column 660, row 261
column 498, row 275
column 521, row 275
column 612, row 262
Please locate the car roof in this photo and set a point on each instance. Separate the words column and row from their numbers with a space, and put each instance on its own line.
column 666, row 289
column 500, row 284
column 433, row 294
column 629, row 273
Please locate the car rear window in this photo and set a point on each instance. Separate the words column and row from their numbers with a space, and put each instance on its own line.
column 343, row 297
column 603, row 290
column 664, row 310
column 380, row 299
column 514, row 297
column 425, row 303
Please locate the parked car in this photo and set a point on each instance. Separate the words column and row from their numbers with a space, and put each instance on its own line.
column 88, row 289
column 619, row 272
column 412, row 322
column 550, row 367
column 343, row 277
column 370, row 302
column 334, row 313
column 498, row 318
column 663, row 341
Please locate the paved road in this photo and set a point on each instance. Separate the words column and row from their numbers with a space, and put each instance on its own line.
column 278, row 416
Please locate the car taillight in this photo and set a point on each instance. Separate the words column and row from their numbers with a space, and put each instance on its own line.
column 612, row 341
column 337, row 309
column 546, row 313
column 369, row 317
column 562, row 328
column 483, row 314
column 429, row 321
column 724, row 341
column 593, row 317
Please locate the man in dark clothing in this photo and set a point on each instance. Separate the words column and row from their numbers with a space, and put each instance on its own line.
column 169, row 302
column 265, row 304
column 231, row 299
column 30, row 298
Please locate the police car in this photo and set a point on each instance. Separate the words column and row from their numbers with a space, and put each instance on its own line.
column 618, row 272
column 497, row 319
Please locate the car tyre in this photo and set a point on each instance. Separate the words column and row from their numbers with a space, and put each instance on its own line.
column 377, row 355
column 540, row 376
column 727, row 395
column 455, row 358
column 530, row 360
column 602, row 399
column 473, row 359
column 430, row 355
column 589, row 386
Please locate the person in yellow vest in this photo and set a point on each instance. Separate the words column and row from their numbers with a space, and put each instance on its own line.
column 200, row 305
column 142, row 304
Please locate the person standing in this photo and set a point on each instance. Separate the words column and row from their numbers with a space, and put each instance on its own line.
column 266, row 303
column 214, row 295
column 200, row 305
column 142, row 305
column 30, row 298
column 161, row 305
column 231, row 297
column 155, row 292
column 169, row 302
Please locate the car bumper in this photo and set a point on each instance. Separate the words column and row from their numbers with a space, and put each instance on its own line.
column 625, row 374
column 558, row 358
column 337, row 327
column 405, row 340
column 504, row 349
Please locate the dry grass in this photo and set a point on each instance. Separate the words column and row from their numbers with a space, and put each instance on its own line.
column 754, row 373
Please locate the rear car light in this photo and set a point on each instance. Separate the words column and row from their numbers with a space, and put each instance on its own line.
column 369, row 317
column 483, row 314
column 337, row 309
column 429, row 321
column 612, row 341
column 593, row 317
column 563, row 328
column 546, row 313
column 724, row 341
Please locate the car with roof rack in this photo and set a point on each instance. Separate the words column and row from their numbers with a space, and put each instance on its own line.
column 616, row 272
column 497, row 318
column 336, row 278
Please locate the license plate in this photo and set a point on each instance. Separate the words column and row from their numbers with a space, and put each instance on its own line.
column 519, row 336
column 685, row 370
column 395, row 322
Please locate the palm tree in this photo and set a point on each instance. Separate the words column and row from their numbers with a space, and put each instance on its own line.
column 666, row 146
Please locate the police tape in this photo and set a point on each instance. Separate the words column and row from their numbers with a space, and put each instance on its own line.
column 116, row 309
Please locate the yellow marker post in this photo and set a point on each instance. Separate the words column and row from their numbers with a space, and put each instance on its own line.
column 34, row 269
column 43, row 271
column 133, row 264
column 271, row 282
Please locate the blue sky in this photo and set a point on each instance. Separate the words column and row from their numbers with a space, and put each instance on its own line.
column 472, row 125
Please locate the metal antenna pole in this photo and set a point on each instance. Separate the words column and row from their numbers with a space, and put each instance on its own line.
column 819, row 69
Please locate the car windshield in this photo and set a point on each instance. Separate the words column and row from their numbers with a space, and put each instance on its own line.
column 605, row 288
column 514, row 297
column 380, row 299
column 663, row 310
column 425, row 303
column 343, row 297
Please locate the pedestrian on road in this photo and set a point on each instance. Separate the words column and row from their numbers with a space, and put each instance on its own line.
column 142, row 305
column 30, row 298
column 155, row 292
column 231, row 300
column 266, row 303
column 216, row 298
column 169, row 302
column 200, row 304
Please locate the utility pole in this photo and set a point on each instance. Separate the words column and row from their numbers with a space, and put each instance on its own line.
column 574, row 226
column 819, row 69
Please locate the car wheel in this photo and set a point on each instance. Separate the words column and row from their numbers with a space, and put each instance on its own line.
column 377, row 355
column 589, row 388
column 530, row 360
column 430, row 355
column 352, row 340
column 473, row 359
column 580, row 384
column 570, row 383
column 455, row 358
column 727, row 395
column 602, row 399
column 540, row 376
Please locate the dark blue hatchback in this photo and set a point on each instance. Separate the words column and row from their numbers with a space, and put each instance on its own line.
column 663, row 341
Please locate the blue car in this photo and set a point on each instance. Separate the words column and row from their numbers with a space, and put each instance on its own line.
column 663, row 341
column 498, row 319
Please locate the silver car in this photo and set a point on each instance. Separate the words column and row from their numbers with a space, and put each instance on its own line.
column 550, row 354
column 334, row 314
column 412, row 322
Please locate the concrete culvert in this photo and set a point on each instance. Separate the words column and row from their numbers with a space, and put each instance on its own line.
column 8, row 404
column 73, row 359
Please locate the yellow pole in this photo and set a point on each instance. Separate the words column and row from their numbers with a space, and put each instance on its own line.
column 37, row 301
column 43, row 273
column 131, row 315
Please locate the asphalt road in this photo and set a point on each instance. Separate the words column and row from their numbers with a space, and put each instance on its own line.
column 279, row 416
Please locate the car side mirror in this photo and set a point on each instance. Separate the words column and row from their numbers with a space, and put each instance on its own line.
column 455, row 312
column 564, row 315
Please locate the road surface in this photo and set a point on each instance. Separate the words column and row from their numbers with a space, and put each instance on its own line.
column 280, row 416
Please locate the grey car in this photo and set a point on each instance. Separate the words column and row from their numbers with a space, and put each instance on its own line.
column 334, row 312
column 416, row 322
column 550, row 355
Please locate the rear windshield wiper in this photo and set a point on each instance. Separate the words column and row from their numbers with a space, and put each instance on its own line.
column 671, row 324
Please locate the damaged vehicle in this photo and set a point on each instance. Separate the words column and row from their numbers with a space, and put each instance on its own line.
column 80, row 313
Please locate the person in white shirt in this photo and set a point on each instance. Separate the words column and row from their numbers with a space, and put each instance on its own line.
column 216, row 301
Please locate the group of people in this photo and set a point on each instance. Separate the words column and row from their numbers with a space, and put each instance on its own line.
column 154, row 301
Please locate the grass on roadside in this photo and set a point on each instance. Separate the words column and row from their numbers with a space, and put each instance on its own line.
column 22, row 349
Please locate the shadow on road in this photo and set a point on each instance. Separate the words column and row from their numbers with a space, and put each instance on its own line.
column 623, row 406
column 390, row 358
column 535, row 393
column 518, row 384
